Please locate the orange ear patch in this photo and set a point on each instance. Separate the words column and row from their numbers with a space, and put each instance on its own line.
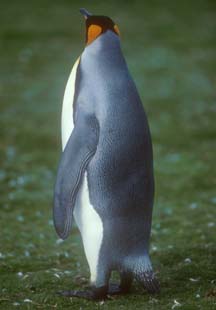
column 93, row 32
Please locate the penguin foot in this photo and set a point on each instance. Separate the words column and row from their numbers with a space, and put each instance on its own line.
column 116, row 289
column 94, row 294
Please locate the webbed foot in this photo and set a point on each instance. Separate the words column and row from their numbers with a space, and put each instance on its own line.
column 94, row 294
column 116, row 289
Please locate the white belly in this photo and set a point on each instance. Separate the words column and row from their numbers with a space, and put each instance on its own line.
column 90, row 226
column 87, row 219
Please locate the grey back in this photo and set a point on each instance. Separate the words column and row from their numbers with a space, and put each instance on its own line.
column 120, row 175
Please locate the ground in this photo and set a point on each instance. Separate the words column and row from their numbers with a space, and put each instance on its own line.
column 170, row 48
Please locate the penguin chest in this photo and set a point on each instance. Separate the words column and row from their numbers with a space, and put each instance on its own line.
column 67, row 124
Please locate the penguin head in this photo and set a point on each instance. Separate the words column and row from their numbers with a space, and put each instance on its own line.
column 97, row 25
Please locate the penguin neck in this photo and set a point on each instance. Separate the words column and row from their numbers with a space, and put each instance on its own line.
column 107, row 43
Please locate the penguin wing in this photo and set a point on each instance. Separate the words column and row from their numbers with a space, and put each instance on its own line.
column 78, row 152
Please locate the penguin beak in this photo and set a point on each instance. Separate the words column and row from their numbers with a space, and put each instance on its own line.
column 85, row 13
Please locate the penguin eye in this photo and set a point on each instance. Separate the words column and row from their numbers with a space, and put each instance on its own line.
column 93, row 32
column 116, row 29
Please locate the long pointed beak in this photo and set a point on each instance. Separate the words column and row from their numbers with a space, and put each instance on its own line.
column 85, row 13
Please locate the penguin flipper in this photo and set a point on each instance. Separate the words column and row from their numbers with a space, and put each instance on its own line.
column 78, row 152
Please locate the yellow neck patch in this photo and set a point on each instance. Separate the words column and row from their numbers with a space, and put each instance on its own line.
column 93, row 32
column 116, row 30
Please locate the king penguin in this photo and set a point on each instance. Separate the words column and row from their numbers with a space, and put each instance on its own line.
column 105, row 176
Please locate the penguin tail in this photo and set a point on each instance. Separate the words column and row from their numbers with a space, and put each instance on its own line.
column 141, row 268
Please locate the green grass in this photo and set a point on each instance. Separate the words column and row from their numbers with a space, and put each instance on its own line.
column 170, row 48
